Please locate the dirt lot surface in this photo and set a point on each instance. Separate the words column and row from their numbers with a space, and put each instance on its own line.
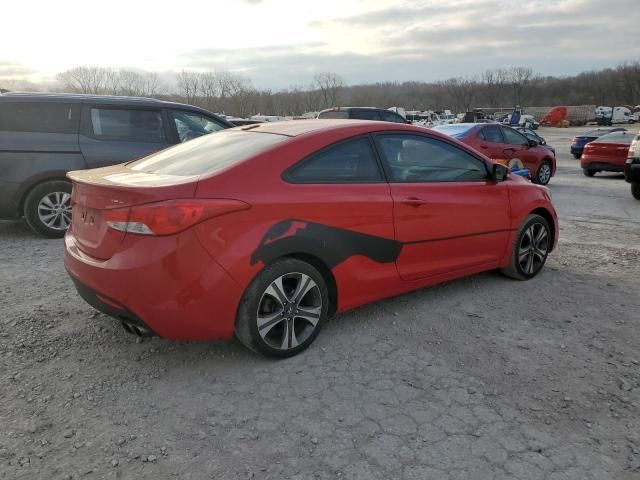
column 481, row 378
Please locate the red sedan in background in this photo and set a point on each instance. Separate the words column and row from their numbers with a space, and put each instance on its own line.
column 500, row 142
column 606, row 154
column 266, row 230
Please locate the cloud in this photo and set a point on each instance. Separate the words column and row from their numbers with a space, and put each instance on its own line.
column 11, row 70
column 434, row 41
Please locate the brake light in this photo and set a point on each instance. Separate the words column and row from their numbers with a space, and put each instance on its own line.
column 169, row 217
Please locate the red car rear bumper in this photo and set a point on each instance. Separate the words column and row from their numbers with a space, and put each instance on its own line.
column 169, row 286
column 602, row 162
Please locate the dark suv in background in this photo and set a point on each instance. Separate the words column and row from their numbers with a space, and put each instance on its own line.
column 43, row 136
column 362, row 113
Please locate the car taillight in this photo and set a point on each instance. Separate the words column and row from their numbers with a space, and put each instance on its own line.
column 169, row 217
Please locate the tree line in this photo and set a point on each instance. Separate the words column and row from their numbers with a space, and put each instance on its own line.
column 225, row 92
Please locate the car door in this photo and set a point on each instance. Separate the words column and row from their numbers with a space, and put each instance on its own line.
column 111, row 134
column 518, row 147
column 448, row 213
column 491, row 142
column 341, row 207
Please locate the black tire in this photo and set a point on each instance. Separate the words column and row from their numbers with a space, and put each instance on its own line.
column 635, row 190
column 577, row 155
column 33, row 203
column 543, row 175
column 279, row 315
column 588, row 172
column 521, row 251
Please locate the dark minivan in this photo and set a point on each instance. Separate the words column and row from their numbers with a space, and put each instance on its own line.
column 43, row 136
column 362, row 113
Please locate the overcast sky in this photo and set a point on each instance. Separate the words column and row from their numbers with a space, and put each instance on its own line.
column 279, row 43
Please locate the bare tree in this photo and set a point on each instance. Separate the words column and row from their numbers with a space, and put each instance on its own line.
column 629, row 73
column 329, row 84
column 462, row 91
column 188, row 85
column 519, row 78
column 494, row 82
column 84, row 79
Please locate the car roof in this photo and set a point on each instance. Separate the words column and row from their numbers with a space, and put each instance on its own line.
column 294, row 128
column 338, row 109
column 82, row 97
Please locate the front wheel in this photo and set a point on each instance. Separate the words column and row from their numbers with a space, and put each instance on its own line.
column 588, row 172
column 47, row 208
column 283, row 309
column 543, row 175
column 635, row 190
column 530, row 250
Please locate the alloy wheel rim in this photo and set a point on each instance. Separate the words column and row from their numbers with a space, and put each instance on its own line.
column 533, row 248
column 545, row 173
column 54, row 210
column 289, row 311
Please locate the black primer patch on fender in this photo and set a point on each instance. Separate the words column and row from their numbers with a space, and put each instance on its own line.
column 332, row 244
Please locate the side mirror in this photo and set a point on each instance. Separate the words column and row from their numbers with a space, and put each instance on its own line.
column 499, row 172
column 533, row 143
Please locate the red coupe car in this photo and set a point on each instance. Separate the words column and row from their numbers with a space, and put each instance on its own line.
column 266, row 230
column 500, row 142
column 608, row 153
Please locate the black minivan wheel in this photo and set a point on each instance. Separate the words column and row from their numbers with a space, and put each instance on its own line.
column 283, row 309
column 47, row 208
column 635, row 190
column 530, row 249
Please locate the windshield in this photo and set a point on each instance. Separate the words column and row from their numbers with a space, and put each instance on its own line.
column 456, row 131
column 207, row 154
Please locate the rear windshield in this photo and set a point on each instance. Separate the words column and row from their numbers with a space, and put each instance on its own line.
column 208, row 154
column 601, row 131
column 615, row 138
column 334, row 114
column 456, row 131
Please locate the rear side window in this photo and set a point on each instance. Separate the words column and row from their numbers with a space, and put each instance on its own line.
column 392, row 117
column 365, row 114
column 190, row 125
column 352, row 161
column 127, row 125
column 207, row 154
column 39, row 117
column 334, row 114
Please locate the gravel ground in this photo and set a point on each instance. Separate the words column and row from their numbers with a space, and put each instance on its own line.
column 481, row 378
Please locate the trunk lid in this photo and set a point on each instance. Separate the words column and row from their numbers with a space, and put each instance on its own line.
column 116, row 187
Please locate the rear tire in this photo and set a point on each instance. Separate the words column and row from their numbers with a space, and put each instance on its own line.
column 47, row 208
column 588, row 172
column 283, row 309
column 635, row 190
column 577, row 156
column 530, row 249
